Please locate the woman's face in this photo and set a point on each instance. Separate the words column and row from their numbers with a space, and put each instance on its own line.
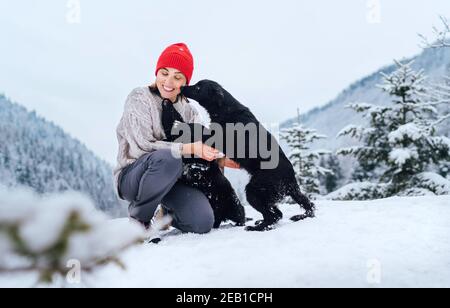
column 169, row 82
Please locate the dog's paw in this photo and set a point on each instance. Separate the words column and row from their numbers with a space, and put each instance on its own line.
column 309, row 214
column 155, row 240
column 260, row 228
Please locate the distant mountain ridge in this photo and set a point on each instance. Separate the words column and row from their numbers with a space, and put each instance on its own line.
column 38, row 154
column 332, row 117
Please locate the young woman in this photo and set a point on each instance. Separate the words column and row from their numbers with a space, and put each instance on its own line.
column 148, row 169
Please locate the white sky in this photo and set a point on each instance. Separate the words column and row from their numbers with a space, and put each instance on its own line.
column 274, row 56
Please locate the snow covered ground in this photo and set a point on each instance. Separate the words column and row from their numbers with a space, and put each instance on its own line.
column 396, row 242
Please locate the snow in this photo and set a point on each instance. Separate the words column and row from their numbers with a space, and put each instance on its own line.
column 400, row 156
column 35, row 228
column 408, row 130
column 357, row 191
column 43, row 219
column 355, row 129
column 402, row 241
column 105, row 238
column 16, row 207
column 437, row 140
column 434, row 182
column 416, row 191
column 5, row 246
column 352, row 149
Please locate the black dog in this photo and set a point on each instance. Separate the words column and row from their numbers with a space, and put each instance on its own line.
column 205, row 176
column 267, row 186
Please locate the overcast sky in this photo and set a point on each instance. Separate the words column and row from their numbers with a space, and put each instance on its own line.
column 274, row 56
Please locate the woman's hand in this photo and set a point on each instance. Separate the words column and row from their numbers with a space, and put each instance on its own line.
column 201, row 150
column 228, row 163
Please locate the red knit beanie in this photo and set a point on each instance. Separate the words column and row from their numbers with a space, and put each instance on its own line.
column 179, row 57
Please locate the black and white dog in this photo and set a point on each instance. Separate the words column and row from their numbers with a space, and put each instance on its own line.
column 203, row 175
column 269, row 184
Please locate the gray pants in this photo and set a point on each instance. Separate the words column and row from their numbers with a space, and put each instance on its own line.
column 153, row 180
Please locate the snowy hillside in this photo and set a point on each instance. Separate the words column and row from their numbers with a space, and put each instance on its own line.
column 397, row 242
column 333, row 117
column 38, row 154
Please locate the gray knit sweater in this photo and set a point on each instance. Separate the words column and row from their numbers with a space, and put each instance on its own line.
column 140, row 129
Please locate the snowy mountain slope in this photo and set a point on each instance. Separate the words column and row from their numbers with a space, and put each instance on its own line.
column 397, row 242
column 332, row 117
column 38, row 154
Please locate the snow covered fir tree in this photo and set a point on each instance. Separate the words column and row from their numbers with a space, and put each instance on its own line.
column 306, row 161
column 441, row 95
column 330, row 181
column 400, row 149
column 38, row 154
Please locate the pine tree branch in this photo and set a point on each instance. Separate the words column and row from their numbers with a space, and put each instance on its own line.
column 441, row 120
column 61, row 270
column 443, row 89
column 441, row 39
column 17, row 270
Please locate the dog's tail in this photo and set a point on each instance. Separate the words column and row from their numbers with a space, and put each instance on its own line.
column 303, row 201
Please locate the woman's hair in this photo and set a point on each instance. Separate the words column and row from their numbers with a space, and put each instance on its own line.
column 154, row 89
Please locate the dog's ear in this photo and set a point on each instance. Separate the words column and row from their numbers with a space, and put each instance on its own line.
column 217, row 92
